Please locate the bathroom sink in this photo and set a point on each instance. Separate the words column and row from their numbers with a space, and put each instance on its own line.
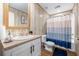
column 28, row 37
column 8, row 41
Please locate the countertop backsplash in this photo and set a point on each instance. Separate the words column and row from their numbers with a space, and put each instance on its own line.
column 17, row 32
column 2, row 32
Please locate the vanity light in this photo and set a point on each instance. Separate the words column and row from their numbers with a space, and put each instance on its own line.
column 57, row 8
column 41, row 15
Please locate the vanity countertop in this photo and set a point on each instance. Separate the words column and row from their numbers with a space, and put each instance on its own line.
column 15, row 43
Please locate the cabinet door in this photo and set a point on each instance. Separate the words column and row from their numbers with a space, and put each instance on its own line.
column 22, row 50
column 36, row 47
column 7, row 52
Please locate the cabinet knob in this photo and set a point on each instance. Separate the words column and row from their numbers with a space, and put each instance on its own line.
column 33, row 48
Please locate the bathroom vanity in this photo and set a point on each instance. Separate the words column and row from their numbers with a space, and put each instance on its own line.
column 31, row 47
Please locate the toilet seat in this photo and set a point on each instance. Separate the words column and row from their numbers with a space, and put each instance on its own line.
column 49, row 46
column 49, row 43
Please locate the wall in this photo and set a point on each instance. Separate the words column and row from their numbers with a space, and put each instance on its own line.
column 5, row 14
column 77, row 44
column 38, row 19
column 76, row 24
column 78, row 20
column 76, row 11
column 73, row 31
column 11, row 19
column 1, row 20
column 1, row 14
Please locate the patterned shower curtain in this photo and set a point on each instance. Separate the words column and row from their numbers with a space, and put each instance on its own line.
column 59, row 29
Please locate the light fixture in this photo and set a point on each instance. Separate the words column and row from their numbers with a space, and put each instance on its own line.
column 58, row 6
column 41, row 15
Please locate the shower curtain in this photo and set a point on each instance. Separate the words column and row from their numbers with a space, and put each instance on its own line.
column 59, row 30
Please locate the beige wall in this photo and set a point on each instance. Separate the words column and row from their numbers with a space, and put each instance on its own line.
column 38, row 19
column 1, row 14
column 78, row 20
column 76, row 11
column 5, row 14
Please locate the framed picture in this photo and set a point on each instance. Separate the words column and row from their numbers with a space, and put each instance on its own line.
column 23, row 20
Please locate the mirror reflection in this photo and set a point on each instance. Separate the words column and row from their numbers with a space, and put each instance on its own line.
column 18, row 14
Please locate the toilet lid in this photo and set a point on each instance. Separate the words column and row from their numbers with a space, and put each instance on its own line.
column 49, row 43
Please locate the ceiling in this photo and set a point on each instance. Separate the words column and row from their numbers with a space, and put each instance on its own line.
column 53, row 8
column 20, row 6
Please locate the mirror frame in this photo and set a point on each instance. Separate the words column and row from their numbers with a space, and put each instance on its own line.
column 6, row 18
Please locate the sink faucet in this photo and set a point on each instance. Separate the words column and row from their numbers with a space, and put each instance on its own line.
column 8, row 38
column 9, row 35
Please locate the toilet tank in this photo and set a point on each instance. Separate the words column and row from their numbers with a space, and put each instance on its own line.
column 43, row 38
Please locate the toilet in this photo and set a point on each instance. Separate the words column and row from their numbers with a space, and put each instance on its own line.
column 49, row 46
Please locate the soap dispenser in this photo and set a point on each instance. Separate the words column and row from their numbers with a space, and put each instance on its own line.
column 8, row 38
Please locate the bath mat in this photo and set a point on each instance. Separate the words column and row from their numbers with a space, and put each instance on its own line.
column 59, row 52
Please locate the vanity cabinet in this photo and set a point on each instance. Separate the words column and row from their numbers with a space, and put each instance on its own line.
column 32, row 48
column 23, row 50
column 36, row 47
column 7, row 52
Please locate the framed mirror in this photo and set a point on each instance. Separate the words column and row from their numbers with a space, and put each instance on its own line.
column 18, row 15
